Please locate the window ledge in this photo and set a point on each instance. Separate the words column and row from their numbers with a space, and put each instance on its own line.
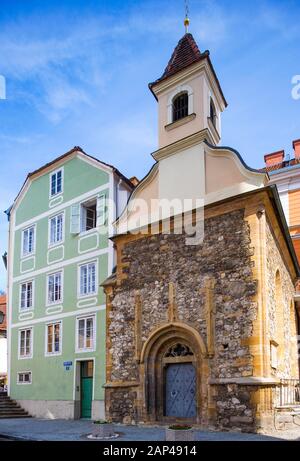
column 181, row 121
column 55, row 245
column 89, row 295
column 94, row 230
column 82, row 351
column 25, row 310
column 27, row 255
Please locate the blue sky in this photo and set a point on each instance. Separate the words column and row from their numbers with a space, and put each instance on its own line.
column 77, row 74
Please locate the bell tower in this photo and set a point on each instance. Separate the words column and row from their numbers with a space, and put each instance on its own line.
column 189, row 95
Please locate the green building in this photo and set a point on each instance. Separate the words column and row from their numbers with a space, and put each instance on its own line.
column 59, row 253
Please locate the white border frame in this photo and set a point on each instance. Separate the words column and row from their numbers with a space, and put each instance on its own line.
column 55, row 261
column 86, row 316
column 27, row 357
column 54, row 354
column 61, row 301
column 88, row 234
column 62, row 182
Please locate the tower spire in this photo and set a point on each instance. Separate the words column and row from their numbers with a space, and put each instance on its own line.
column 186, row 21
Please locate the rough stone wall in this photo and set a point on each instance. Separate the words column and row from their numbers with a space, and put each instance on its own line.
column 122, row 405
column 275, row 262
column 234, row 407
column 152, row 262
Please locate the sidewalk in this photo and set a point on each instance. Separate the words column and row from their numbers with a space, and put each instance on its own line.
column 69, row 430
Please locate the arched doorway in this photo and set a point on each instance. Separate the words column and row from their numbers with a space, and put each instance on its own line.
column 174, row 372
column 180, row 382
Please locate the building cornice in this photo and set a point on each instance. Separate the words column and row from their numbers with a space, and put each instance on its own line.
column 182, row 144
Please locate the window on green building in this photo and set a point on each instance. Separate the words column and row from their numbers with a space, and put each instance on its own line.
column 56, row 229
column 85, row 334
column 25, row 343
column 53, row 332
column 87, row 281
column 54, row 288
column 24, row 377
column 88, row 215
column 28, row 241
column 56, row 183
column 26, row 295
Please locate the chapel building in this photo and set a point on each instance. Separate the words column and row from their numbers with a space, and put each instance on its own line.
column 201, row 331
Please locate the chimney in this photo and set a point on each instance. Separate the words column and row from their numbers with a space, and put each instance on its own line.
column 296, row 146
column 134, row 180
column 276, row 157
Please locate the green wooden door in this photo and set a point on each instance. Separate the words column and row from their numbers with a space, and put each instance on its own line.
column 86, row 389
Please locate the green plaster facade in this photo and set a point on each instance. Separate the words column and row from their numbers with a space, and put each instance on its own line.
column 54, row 390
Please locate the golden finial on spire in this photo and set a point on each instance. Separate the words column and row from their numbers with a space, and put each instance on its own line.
column 186, row 21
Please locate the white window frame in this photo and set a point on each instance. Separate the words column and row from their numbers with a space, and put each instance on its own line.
column 19, row 383
column 25, row 357
column 62, row 288
column 86, row 349
column 26, row 255
column 86, row 263
column 51, row 354
column 180, row 89
column 50, row 183
column 26, row 309
column 53, row 244
column 81, row 204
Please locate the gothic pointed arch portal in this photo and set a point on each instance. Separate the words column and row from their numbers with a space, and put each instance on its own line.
column 174, row 373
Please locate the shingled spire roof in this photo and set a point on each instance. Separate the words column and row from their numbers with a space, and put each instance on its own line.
column 185, row 54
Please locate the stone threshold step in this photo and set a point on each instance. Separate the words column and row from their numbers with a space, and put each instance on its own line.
column 13, row 410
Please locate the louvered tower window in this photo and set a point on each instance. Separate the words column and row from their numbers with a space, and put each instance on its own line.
column 180, row 106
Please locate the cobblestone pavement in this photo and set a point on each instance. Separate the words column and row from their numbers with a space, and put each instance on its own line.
column 63, row 430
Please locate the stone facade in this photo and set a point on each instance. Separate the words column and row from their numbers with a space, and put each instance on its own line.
column 211, row 298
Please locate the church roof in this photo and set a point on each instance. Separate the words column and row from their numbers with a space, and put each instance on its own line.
column 185, row 54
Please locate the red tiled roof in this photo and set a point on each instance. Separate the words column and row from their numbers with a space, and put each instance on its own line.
column 284, row 164
column 3, row 309
column 185, row 54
